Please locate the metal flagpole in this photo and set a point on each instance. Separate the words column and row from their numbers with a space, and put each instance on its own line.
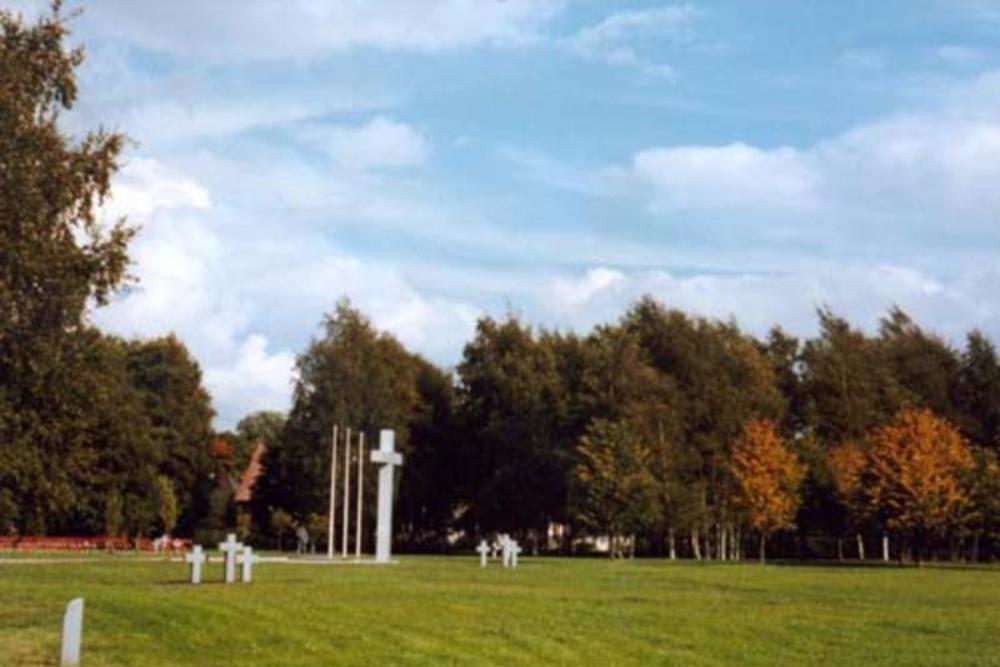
column 361, row 477
column 333, row 494
column 347, row 490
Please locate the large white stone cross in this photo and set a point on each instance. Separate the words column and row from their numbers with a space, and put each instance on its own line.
column 196, row 557
column 388, row 458
column 230, row 547
column 484, row 550
column 246, row 560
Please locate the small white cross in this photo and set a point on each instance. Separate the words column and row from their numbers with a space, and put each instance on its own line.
column 505, row 544
column 246, row 560
column 515, row 549
column 230, row 547
column 483, row 550
column 196, row 557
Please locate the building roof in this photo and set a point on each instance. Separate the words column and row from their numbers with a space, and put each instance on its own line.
column 244, row 493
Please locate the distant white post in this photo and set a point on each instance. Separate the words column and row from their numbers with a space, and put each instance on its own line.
column 388, row 459
column 72, row 633
column 361, row 479
column 333, row 495
column 347, row 492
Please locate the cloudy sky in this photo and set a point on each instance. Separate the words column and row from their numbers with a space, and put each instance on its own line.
column 437, row 160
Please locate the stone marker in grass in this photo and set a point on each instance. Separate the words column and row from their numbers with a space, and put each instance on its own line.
column 247, row 559
column 229, row 548
column 72, row 633
column 484, row 550
column 196, row 557
column 515, row 549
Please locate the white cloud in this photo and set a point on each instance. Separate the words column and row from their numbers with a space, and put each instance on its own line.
column 733, row 177
column 255, row 380
column 896, row 180
column 244, row 298
column 381, row 142
column 957, row 54
column 618, row 38
column 257, row 30
column 758, row 301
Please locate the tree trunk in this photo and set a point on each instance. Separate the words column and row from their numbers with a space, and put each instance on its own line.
column 885, row 548
column 861, row 546
column 975, row 548
column 840, row 548
column 696, row 544
column 763, row 540
column 673, row 543
column 723, row 551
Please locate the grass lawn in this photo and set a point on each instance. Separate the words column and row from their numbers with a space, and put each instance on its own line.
column 448, row 611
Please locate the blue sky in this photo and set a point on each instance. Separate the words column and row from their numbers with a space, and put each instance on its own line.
column 438, row 160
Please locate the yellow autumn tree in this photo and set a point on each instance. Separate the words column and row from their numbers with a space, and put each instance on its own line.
column 768, row 475
column 915, row 476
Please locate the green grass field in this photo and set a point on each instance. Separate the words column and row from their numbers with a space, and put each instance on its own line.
column 448, row 611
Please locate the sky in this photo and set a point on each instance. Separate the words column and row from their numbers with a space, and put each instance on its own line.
column 440, row 160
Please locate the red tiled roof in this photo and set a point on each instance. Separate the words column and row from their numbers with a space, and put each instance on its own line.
column 249, row 477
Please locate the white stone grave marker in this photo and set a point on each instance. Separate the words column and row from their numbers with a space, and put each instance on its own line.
column 229, row 548
column 388, row 459
column 247, row 559
column 72, row 633
column 484, row 550
column 515, row 549
column 196, row 557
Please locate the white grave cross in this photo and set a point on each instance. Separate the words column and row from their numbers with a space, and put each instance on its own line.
column 247, row 559
column 515, row 549
column 484, row 550
column 72, row 633
column 229, row 548
column 388, row 459
column 505, row 554
column 196, row 557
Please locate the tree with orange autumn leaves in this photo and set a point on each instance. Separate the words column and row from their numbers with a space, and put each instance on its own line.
column 914, row 476
column 768, row 475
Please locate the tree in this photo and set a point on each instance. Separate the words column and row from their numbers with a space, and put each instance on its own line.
column 67, row 419
column 264, row 426
column 923, row 366
column 167, row 504
column 719, row 379
column 169, row 382
column 353, row 376
column 847, row 466
column 280, row 523
column 978, row 391
column 511, row 405
column 768, row 476
column 914, row 476
column 848, row 386
column 614, row 490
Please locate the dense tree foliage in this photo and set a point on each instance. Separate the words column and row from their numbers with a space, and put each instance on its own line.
column 88, row 423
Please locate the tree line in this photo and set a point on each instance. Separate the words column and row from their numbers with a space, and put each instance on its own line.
column 661, row 433
column 664, row 434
